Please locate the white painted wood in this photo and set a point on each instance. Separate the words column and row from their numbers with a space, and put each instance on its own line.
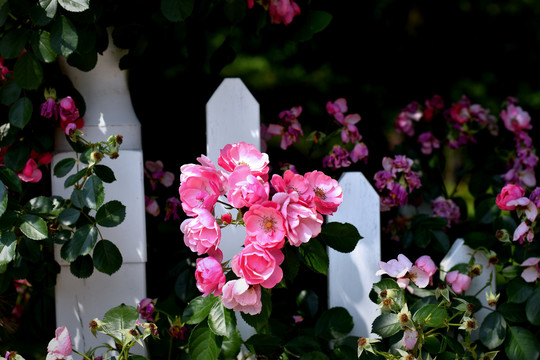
column 461, row 253
column 351, row 275
column 108, row 112
column 232, row 115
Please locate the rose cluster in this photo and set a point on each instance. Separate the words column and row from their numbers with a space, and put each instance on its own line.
column 282, row 210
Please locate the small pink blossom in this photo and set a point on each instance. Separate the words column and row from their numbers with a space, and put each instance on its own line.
column 428, row 143
column 532, row 272
column 337, row 108
column 338, row 158
column 30, row 172
column 243, row 153
column 328, row 192
column 283, row 11
column 202, row 233
column 289, row 127
column 515, row 118
column 350, row 132
column 146, row 309
column 155, row 173
column 396, row 268
column 151, row 206
column 509, row 192
column 459, row 282
column 258, row 266
column 209, row 276
column 525, row 206
column 293, row 182
column 410, row 337
column 238, row 295
column 404, row 271
column 426, row 264
column 266, row 225
column 523, row 232
column 446, row 209
column 359, row 152
column 171, row 208
column 226, row 218
column 60, row 346
column 303, row 222
column 245, row 189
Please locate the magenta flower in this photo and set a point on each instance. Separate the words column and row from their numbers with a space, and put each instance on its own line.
column 151, row 206
column 258, row 266
column 30, row 172
column 49, row 109
column 289, row 128
column 446, row 209
column 328, row 192
column 60, row 346
column 153, row 170
column 171, row 209
column 359, row 152
column 209, row 276
column 202, row 234
column 283, row 11
column 515, row 118
column 459, row 282
column 243, row 153
column 146, row 309
column 265, row 225
column 428, row 143
column 338, row 158
column 532, row 272
column 238, row 295
column 337, row 108
column 350, row 132
column 509, row 192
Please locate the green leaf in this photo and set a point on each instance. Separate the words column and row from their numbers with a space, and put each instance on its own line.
column 334, row 323
column 314, row 355
column 20, row 112
column 41, row 45
column 9, row 93
column 16, row 157
column 75, row 5
column 105, row 173
column 221, row 320
column 40, row 205
column 122, row 317
column 28, row 72
column 10, row 179
column 487, row 211
column 111, row 214
column 430, row 315
column 69, row 216
column 177, row 10
column 202, row 343
column 522, row 344
column 518, row 291
column 230, row 346
column 302, row 344
column 3, row 198
column 493, row 330
column 199, row 308
column 107, row 257
column 264, row 344
column 49, row 6
column 83, row 242
column 82, row 267
column 8, row 245
column 13, row 42
column 386, row 325
column 342, row 237
column 64, row 36
column 63, row 167
column 315, row 256
column 532, row 308
column 93, row 192
column 34, row 227
column 72, row 179
column 290, row 264
column 313, row 22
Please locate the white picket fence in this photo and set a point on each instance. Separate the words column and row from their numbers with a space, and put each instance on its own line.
column 232, row 116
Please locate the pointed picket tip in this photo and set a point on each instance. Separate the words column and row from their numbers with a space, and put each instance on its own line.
column 232, row 115
column 351, row 275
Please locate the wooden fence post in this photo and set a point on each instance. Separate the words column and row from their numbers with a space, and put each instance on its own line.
column 352, row 275
column 108, row 112
column 232, row 115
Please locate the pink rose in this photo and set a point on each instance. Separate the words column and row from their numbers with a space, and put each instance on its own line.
column 238, row 295
column 283, row 11
column 516, row 119
column 328, row 192
column 209, row 276
column 293, row 182
column 426, row 264
column 60, row 347
column 459, row 282
column 509, row 192
column 30, row 172
column 245, row 189
column 198, row 193
column 202, row 233
column 240, row 153
column 266, row 225
column 207, row 170
column 258, row 265
column 532, row 272
column 303, row 222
